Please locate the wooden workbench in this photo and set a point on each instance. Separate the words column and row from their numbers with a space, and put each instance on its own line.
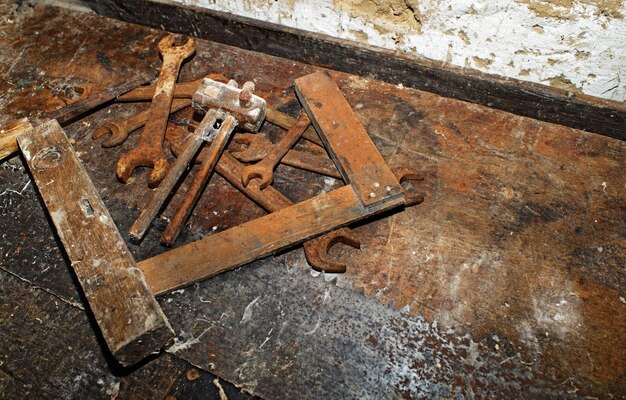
column 508, row 281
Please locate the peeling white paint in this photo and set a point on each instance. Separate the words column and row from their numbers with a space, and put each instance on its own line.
column 585, row 51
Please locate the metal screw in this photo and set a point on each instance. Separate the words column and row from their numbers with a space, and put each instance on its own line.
column 246, row 93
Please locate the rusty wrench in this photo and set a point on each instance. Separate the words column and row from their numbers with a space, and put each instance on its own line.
column 258, row 146
column 120, row 129
column 264, row 169
column 149, row 152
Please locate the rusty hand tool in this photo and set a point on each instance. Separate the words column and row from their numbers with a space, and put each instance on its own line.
column 202, row 177
column 162, row 192
column 258, row 146
column 120, row 129
column 264, row 169
column 317, row 250
column 65, row 114
column 239, row 107
column 182, row 90
column 149, row 152
column 405, row 174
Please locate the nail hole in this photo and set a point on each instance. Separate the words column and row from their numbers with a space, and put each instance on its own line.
column 85, row 205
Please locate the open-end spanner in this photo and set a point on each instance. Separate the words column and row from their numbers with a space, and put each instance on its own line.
column 118, row 130
column 406, row 174
column 149, row 152
column 258, row 146
column 264, row 169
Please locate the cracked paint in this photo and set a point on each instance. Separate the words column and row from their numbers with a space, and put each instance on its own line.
column 575, row 45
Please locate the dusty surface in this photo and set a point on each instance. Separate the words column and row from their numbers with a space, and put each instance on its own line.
column 507, row 281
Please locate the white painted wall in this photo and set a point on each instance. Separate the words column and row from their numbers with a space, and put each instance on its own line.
column 578, row 45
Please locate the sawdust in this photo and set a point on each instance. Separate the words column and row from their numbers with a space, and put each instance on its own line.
column 563, row 9
column 386, row 15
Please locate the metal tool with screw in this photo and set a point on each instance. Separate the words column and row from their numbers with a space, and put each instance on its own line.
column 241, row 108
column 222, row 103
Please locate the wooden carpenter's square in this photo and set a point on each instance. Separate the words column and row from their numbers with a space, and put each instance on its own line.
column 372, row 188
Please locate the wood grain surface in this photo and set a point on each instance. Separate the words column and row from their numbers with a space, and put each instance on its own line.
column 125, row 309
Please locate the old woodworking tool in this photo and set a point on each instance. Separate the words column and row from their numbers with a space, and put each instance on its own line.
column 258, row 146
column 316, row 250
column 244, row 109
column 371, row 188
column 149, row 152
column 118, row 130
column 130, row 319
column 236, row 107
column 162, row 192
column 185, row 90
column 264, row 169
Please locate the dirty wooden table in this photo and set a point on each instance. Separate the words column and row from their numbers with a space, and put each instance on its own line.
column 508, row 281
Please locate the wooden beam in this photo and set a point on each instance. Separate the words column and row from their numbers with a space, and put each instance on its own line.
column 9, row 134
column 256, row 239
column 349, row 145
column 130, row 319
column 542, row 102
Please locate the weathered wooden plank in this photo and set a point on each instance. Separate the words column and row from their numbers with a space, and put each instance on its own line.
column 9, row 134
column 129, row 317
column 256, row 239
column 349, row 145
column 524, row 98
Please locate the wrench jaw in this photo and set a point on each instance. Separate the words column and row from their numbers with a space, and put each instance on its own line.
column 405, row 174
column 167, row 48
column 137, row 158
column 117, row 134
column 316, row 250
column 257, row 172
column 257, row 147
